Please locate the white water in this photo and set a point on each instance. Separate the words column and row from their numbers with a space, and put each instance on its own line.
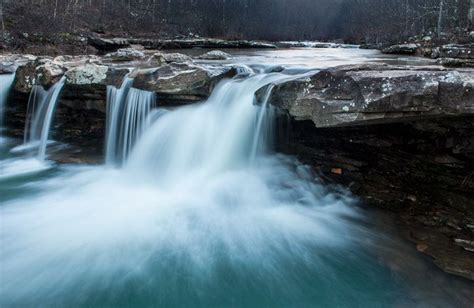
column 127, row 112
column 6, row 82
column 194, row 198
column 40, row 113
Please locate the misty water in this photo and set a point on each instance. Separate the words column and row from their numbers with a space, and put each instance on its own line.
column 194, row 209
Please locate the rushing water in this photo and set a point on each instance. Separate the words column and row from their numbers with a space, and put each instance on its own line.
column 6, row 81
column 40, row 113
column 127, row 113
column 201, row 213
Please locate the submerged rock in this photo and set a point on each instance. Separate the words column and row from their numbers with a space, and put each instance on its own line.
column 371, row 94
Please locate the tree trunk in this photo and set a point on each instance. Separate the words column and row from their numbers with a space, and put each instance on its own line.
column 471, row 13
column 1, row 19
column 440, row 18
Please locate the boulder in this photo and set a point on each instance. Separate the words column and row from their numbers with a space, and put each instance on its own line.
column 402, row 49
column 178, row 82
column 90, row 74
column 125, row 55
column 49, row 73
column 38, row 71
column 371, row 94
column 215, row 55
column 106, row 45
column 7, row 67
column 457, row 51
column 456, row 62
column 160, row 59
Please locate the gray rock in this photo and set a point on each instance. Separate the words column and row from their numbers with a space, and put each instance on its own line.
column 457, row 51
column 372, row 94
column 125, row 55
column 104, row 44
column 402, row 49
column 215, row 55
column 7, row 67
column 180, row 81
column 159, row 59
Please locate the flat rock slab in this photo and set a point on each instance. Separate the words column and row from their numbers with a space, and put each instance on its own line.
column 373, row 94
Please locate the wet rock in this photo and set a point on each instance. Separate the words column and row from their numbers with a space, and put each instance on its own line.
column 371, row 94
column 402, row 49
column 180, row 82
column 215, row 55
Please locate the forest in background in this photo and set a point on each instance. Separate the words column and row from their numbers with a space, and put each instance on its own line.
column 354, row 21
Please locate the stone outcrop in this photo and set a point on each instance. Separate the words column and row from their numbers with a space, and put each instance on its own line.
column 175, row 78
column 371, row 94
column 178, row 82
column 421, row 171
column 454, row 55
column 400, row 138
column 113, row 44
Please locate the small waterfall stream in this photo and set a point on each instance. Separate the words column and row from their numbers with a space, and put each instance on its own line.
column 127, row 112
column 40, row 113
column 6, row 81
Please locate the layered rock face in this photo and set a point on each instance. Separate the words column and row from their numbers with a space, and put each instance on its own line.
column 399, row 138
column 113, row 44
column 80, row 116
column 449, row 55
column 371, row 94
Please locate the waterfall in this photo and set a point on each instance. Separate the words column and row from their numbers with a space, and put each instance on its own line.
column 201, row 214
column 40, row 113
column 6, row 82
column 224, row 133
column 127, row 112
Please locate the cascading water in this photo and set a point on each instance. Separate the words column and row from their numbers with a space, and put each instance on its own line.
column 127, row 112
column 202, row 214
column 40, row 113
column 6, row 82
